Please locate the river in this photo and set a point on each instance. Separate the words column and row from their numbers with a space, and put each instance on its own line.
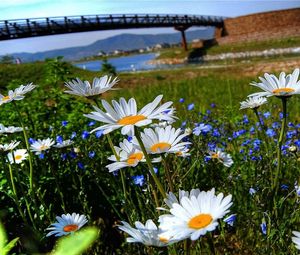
column 130, row 63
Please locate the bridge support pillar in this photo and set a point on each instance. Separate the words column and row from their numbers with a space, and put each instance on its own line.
column 183, row 39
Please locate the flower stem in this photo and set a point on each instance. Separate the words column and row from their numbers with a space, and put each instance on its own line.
column 168, row 175
column 187, row 244
column 15, row 193
column 148, row 160
column 118, row 159
column 263, row 127
column 279, row 144
column 28, row 149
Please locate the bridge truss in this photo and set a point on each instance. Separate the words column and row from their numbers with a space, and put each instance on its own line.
column 23, row 28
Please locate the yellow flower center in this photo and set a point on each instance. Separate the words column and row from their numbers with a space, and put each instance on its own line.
column 5, row 98
column 282, row 90
column 18, row 157
column 70, row 228
column 134, row 157
column 131, row 120
column 200, row 221
column 215, row 155
column 43, row 147
column 163, row 239
column 158, row 147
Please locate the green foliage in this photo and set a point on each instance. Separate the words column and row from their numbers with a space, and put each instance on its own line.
column 108, row 68
column 5, row 247
column 56, row 70
column 7, row 59
column 63, row 185
column 76, row 243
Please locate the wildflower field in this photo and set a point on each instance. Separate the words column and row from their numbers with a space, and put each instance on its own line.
column 186, row 161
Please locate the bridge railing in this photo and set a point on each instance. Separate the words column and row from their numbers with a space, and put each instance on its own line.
column 10, row 29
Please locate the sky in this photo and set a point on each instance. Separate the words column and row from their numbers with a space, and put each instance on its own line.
column 19, row 9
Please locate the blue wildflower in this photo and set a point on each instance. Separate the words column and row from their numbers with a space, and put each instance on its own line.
column 92, row 154
column 64, row 123
column 80, row 165
column 64, row 156
column 284, row 187
column 99, row 133
column 267, row 115
column 59, row 139
column 246, row 142
column 230, row 219
column 270, row 132
column 85, row 134
column 138, row 180
column 291, row 133
column 216, row 133
column 245, row 119
column 263, row 227
column 276, row 125
column 252, row 191
column 191, row 106
column 73, row 135
column 42, row 156
column 91, row 123
column 202, row 129
column 31, row 140
column 73, row 154
column 181, row 100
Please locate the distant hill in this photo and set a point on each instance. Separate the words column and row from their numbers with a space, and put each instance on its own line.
column 119, row 42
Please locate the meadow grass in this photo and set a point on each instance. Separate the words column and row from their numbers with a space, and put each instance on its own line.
column 178, row 52
column 75, row 179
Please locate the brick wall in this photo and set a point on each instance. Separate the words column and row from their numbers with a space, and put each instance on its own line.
column 261, row 26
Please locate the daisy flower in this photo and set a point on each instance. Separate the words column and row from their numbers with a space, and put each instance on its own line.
column 221, row 156
column 285, row 85
column 147, row 234
column 195, row 215
column 10, row 129
column 183, row 153
column 67, row 224
column 124, row 115
column 296, row 239
column 253, row 102
column 63, row 144
column 9, row 146
column 17, row 156
column 129, row 155
column 41, row 145
column 17, row 94
column 163, row 140
column 84, row 88
column 171, row 198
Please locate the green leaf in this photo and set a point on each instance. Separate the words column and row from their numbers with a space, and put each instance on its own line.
column 2, row 239
column 9, row 246
column 76, row 243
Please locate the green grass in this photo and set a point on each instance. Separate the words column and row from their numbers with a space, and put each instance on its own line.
column 178, row 52
column 255, row 46
column 62, row 186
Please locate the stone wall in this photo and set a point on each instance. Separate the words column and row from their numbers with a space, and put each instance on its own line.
column 260, row 26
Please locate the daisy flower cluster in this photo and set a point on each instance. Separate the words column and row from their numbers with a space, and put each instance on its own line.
column 191, row 216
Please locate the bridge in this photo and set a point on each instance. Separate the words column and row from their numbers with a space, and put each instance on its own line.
column 23, row 28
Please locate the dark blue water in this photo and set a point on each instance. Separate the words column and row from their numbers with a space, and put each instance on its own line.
column 125, row 64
